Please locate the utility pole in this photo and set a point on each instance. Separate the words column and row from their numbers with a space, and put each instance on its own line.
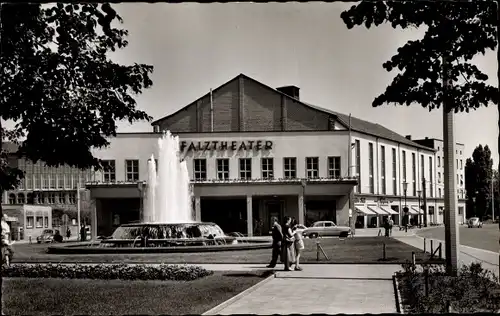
column 349, row 174
column 450, row 196
column 498, row 94
column 424, row 205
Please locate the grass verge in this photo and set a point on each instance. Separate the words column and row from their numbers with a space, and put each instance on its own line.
column 22, row 296
column 352, row 250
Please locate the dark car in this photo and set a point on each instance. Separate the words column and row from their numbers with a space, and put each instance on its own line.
column 46, row 236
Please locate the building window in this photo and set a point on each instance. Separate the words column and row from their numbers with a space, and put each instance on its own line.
column 67, row 181
column 53, row 183
column 394, row 178
column 72, row 198
column 109, row 171
column 404, row 166
column 440, row 193
column 132, row 170
column 60, row 181
column 28, row 181
column 82, row 179
column 461, row 179
column 358, row 163
column 312, row 167
column 439, row 161
column 431, row 187
column 370, row 167
column 21, row 185
column 38, row 198
column 460, row 210
column 45, row 181
column 12, row 198
column 246, row 168
column 36, row 184
column 290, row 167
column 20, row 198
column 439, row 177
column 51, row 198
column 431, row 210
column 461, row 165
column 60, row 198
column 334, row 167
column 267, row 168
column 223, row 169
column 440, row 210
column 46, row 221
column 414, row 173
column 457, row 163
column 30, row 221
column 422, row 168
column 39, row 222
column 200, row 169
column 382, row 170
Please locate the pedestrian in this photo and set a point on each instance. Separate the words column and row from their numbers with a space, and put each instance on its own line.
column 386, row 227
column 298, row 244
column 83, row 233
column 68, row 233
column 287, row 244
column 277, row 236
column 391, row 224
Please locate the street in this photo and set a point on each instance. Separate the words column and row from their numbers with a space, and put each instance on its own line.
column 485, row 238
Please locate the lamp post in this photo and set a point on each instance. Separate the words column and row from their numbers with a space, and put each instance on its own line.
column 419, row 220
column 405, row 208
column 303, row 183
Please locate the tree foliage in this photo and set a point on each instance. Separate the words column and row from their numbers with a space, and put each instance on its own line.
column 59, row 86
column 455, row 29
column 478, row 176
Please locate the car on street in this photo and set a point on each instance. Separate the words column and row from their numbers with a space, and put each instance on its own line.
column 474, row 222
column 300, row 228
column 326, row 228
column 46, row 236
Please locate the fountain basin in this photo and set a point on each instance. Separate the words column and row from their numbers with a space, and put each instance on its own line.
column 165, row 238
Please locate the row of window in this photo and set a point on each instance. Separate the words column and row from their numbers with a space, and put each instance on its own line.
column 459, row 167
column 45, row 198
column 39, row 167
column 37, row 222
column 267, row 168
column 41, row 181
column 383, row 175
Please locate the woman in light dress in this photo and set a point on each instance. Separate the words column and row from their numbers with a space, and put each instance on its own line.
column 298, row 243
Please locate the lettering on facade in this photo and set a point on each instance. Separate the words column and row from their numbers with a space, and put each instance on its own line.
column 222, row 145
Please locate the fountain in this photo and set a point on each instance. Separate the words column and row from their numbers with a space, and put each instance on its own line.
column 168, row 223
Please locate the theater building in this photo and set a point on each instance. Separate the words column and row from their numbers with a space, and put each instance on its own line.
column 254, row 152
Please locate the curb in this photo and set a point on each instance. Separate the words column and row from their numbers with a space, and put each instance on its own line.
column 217, row 309
column 397, row 294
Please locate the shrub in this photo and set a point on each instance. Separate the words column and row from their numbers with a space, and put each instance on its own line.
column 474, row 290
column 107, row 271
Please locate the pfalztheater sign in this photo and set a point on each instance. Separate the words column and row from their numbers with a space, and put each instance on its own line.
column 224, row 145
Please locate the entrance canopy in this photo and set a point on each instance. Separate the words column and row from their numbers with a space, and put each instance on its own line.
column 389, row 210
column 416, row 209
column 361, row 209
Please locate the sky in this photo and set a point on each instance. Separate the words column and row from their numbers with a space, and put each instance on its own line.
column 194, row 47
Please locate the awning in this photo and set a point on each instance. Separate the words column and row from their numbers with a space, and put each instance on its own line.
column 389, row 210
column 377, row 210
column 417, row 209
column 363, row 210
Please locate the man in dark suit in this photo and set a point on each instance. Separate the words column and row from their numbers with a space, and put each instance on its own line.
column 277, row 235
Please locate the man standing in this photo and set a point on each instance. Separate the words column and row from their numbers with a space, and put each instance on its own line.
column 391, row 223
column 277, row 235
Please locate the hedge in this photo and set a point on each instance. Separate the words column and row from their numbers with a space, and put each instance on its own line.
column 475, row 289
column 107, row 271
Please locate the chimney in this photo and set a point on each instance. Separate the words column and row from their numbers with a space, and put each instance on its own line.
column 408, row 137
column 291, row 91
column 426, row 138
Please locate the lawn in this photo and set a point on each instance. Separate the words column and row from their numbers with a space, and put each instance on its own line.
column 21, row 296
column 352, row 250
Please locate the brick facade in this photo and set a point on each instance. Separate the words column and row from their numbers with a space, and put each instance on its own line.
column 245, row 105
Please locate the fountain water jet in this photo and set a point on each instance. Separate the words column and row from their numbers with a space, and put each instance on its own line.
column 169, row 190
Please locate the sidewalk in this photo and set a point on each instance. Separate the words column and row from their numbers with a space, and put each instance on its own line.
column 330, row 289
column 467, row 255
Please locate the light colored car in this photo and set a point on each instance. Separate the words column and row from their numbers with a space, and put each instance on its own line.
column 300, row 228
column 326, row 228
column 474, row 222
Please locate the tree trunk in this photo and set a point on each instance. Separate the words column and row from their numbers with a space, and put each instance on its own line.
column 498, row 94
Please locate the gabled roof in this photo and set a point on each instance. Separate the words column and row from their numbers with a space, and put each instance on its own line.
column 357, row 124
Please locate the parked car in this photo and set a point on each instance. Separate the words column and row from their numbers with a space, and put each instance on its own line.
column 326, row 228
column 474, row 222
column 46, row 236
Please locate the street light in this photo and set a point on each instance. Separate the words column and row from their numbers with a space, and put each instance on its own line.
column 419, row 220
column 405, row 208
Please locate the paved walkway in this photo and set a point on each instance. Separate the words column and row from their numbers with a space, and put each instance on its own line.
column 330, row 289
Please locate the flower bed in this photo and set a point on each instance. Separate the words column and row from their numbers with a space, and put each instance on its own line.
column 107, row 271
column 474, row 290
